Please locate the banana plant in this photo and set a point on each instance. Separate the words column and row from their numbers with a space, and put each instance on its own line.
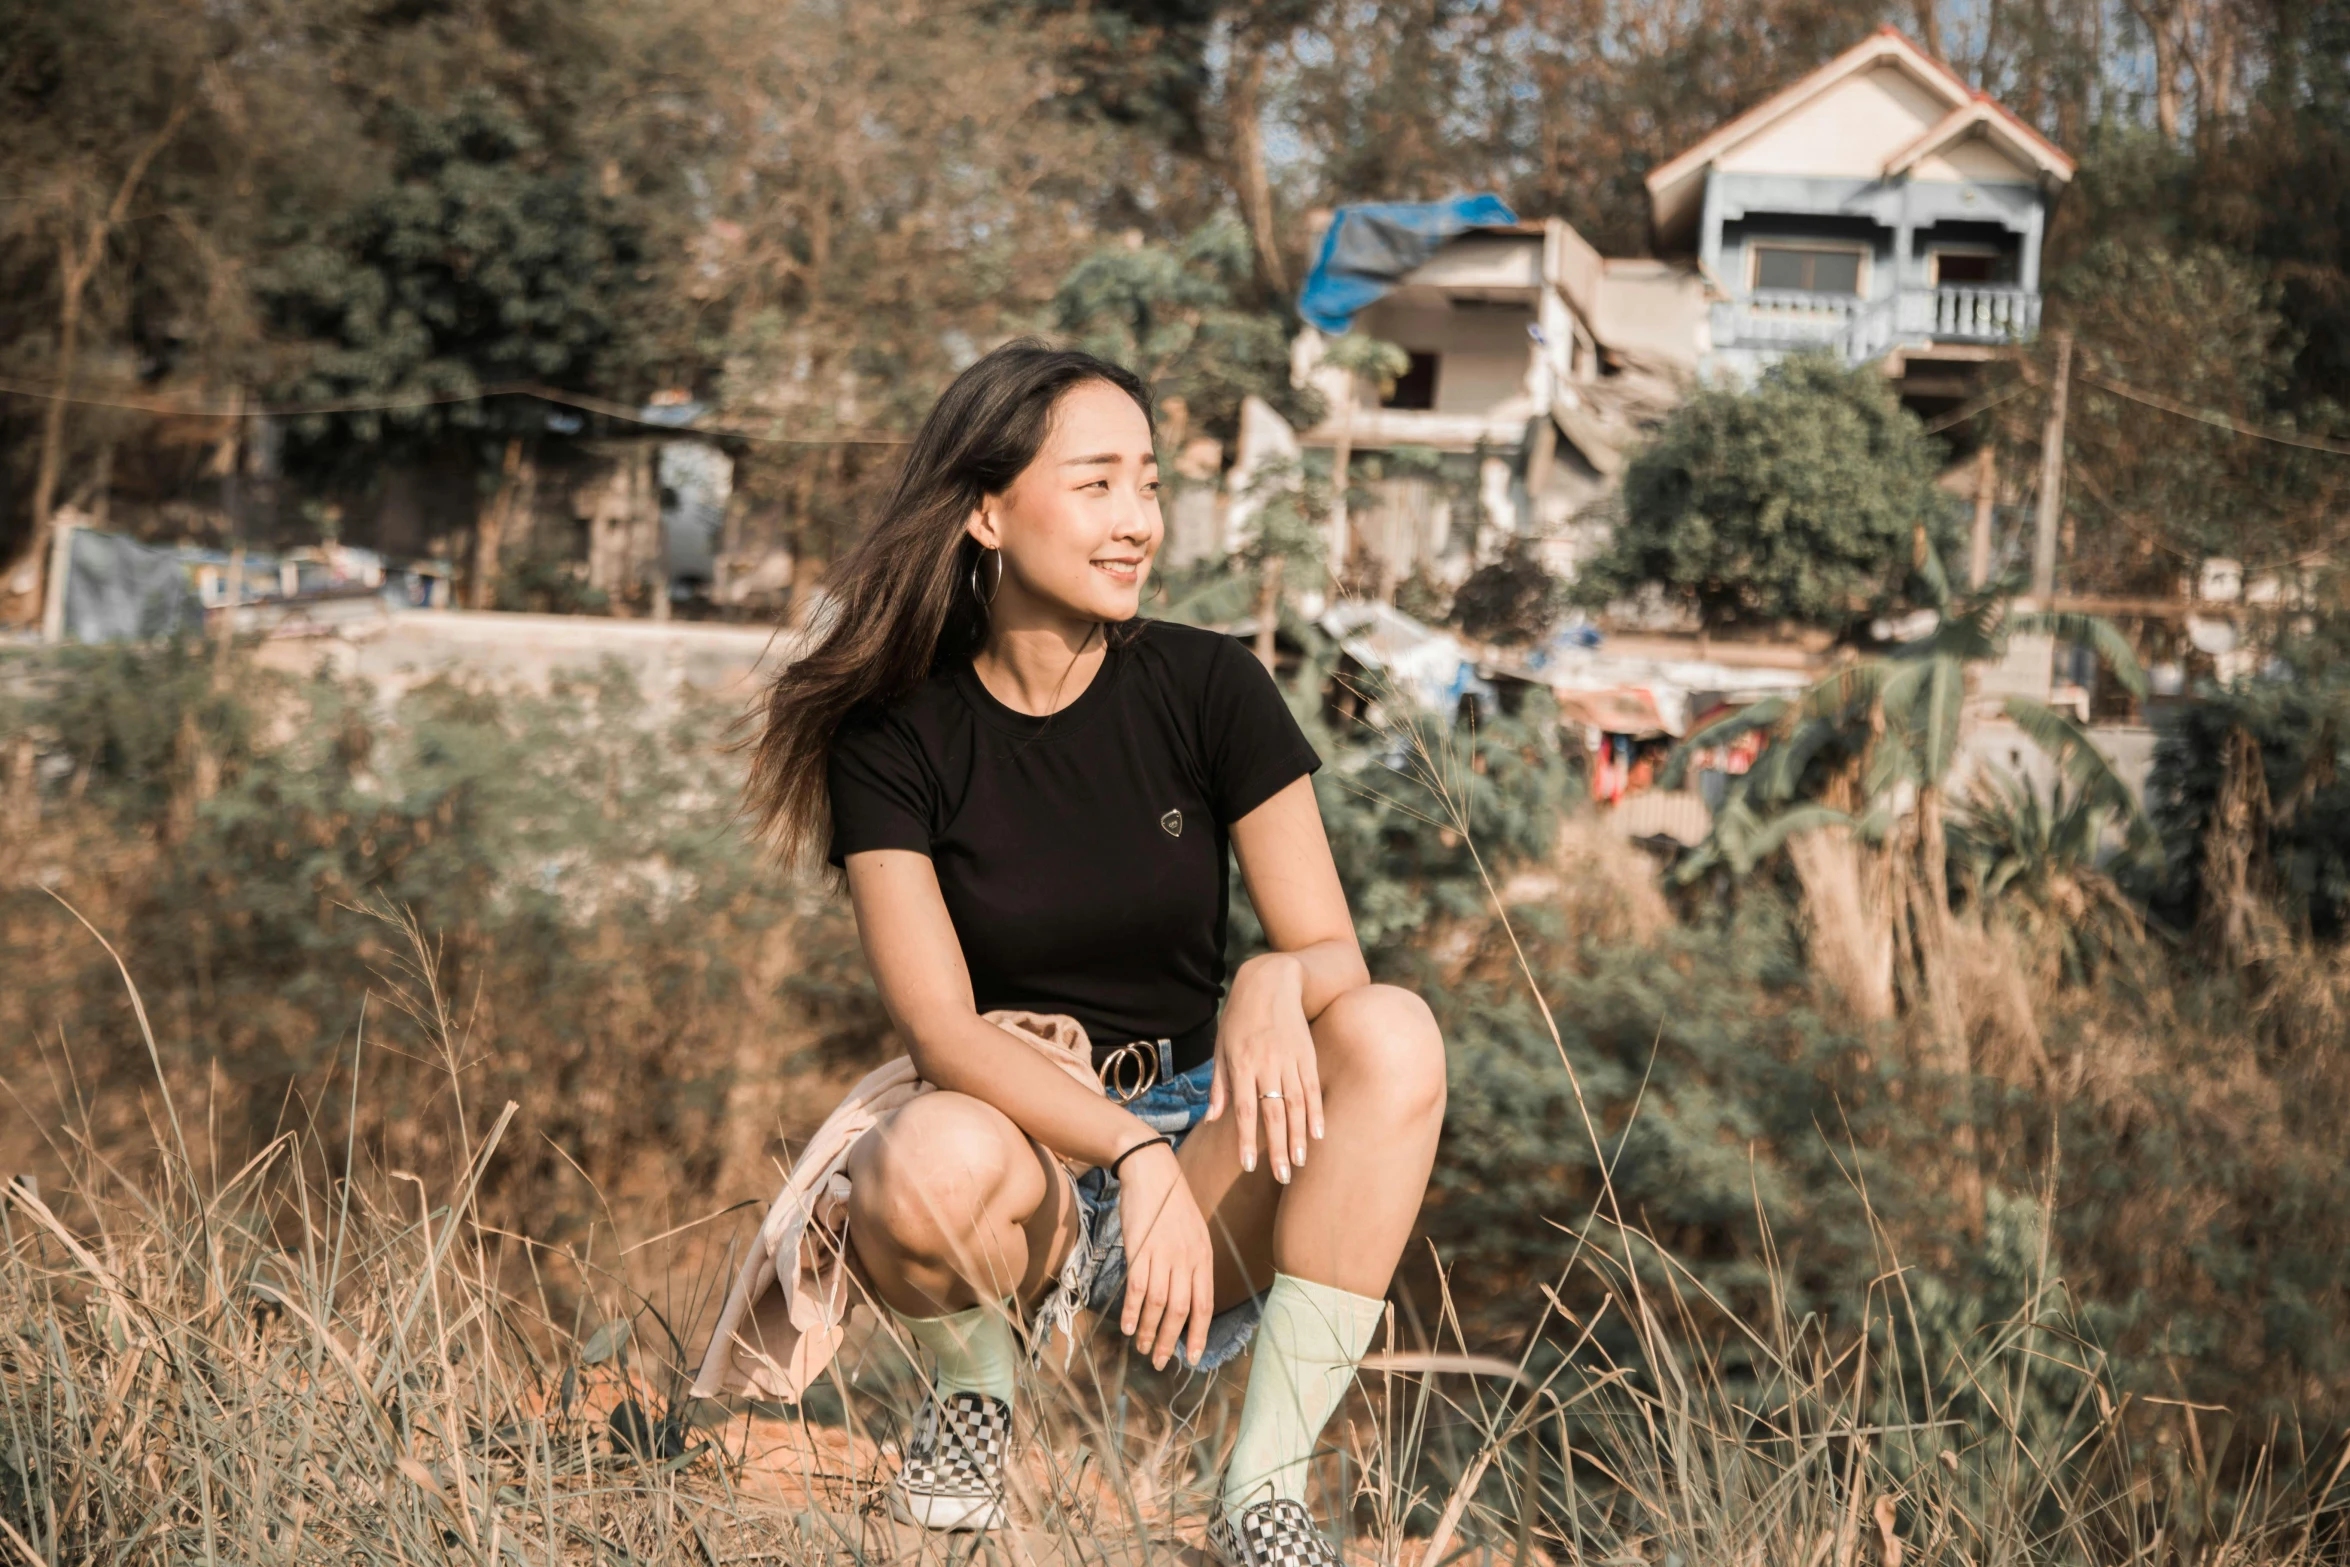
column 1877, row 737
column 2042, row 855
column 1869, row 750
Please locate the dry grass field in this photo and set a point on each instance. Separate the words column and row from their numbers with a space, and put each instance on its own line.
column 277, row 1364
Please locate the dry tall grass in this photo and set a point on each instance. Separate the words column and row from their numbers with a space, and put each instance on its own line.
column 316, row 1355
column 279, row 1366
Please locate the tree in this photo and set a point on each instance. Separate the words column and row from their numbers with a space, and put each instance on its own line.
column 2251, row 793
column 492, row 256
column 1282, row 498
column 1362, row 358
column 79, row 255
column 1797, row 499
column 1511, row 601
column 1251, row 34
column 488, row 258
column 891, row 188
column 1561, row 105
column 2154, row 493
column 141, row 137
column 2282, row 186
column 1173, row 315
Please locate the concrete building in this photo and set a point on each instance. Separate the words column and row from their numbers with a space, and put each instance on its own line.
column 1878, row 208
column 1533, row 363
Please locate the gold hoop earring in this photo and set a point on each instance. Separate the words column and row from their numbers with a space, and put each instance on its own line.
column 987, row 600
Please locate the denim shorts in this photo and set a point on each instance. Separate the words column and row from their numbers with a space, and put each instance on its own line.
column 1094, row 1276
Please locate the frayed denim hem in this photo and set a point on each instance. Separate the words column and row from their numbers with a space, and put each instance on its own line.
column 1094, row 1277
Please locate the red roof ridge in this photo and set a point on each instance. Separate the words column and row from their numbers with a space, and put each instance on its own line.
column 1982, row 95
column 1870, row 50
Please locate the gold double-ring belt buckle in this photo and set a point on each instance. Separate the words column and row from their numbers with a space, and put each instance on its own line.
column 1130, row 1070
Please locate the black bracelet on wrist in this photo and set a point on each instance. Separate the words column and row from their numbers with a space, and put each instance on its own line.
column 1112, row 1166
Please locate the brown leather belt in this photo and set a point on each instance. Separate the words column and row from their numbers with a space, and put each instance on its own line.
column 1131, row 1070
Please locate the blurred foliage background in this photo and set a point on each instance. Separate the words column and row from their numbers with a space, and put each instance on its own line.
column 807, row 215
column 2158, row 1127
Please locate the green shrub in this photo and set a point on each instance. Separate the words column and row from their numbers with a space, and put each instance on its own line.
column 2300, row 843
column 1795, row 499
column 593, row 913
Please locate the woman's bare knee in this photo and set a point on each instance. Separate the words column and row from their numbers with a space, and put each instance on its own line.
column 1383, row 1039
column 938, row 1170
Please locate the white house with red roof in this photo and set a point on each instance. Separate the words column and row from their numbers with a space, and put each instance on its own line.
column 1878, row 206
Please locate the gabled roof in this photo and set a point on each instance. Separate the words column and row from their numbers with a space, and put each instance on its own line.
column 1982, row 117
column 1675, row 188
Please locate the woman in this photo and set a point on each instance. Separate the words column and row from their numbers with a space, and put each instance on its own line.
column 1032, row 793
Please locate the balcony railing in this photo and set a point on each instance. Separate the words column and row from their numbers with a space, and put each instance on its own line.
column 1982, row 314
column 1860, row 329
column 1789, row 318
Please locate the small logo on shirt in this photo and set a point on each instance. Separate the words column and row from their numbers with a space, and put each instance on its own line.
column 1173, row 822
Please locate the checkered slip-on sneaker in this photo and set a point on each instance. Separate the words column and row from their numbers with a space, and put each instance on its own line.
column 953, row 1476
column 1276, row 1532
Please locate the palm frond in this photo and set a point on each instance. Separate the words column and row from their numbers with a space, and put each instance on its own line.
column 1945, row 704
column 1891, row 761
column 2079, row 761
column 1748, row 720
column 1846, row 689
column 2094, row 632
column 1776, row 776
column 1744, row 839
column 1900, row 691
column 1926, row 561
column 1770, row 836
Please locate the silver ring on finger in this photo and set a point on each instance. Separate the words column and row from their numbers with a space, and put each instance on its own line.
column 1270, row 1093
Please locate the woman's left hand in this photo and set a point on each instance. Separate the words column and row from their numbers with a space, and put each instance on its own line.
column 1265, row 1062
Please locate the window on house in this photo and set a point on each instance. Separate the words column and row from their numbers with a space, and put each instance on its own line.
column 1972, row 266
column 1811, row 271
column 1415, row 389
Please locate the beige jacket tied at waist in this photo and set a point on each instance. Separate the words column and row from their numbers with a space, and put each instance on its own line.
column 789, row 1307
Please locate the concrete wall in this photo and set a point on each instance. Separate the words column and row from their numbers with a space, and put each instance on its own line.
column 1484, row 352
column 397, row 649
column 1655, row 309
column 1997, row 746
column 1853, row 128
column 1482, row 261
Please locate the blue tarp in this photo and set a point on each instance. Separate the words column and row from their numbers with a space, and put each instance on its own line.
column 1367, row 248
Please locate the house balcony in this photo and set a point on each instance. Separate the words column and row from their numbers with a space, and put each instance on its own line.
column 1972, row 313
column 1775, row 321
column 1502, row 426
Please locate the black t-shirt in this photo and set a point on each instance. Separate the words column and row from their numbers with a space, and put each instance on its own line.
column 1084, row 854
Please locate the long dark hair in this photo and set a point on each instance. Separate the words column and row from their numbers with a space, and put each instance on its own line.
column 900, row 602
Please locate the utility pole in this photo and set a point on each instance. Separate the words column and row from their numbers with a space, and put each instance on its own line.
column 232, row 506
column 1986, row 492
column 2052, row 477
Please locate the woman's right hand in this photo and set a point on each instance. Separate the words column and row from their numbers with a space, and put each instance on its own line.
column 1170, row 1266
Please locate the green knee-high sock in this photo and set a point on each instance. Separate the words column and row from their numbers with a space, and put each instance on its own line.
column 1308, row 1340
column 975, row 1350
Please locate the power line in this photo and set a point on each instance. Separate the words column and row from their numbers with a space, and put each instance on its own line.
column 2153, row 400
column 136, row 403
column 1969, row 409
column 610, row 410
column 2223, row 421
